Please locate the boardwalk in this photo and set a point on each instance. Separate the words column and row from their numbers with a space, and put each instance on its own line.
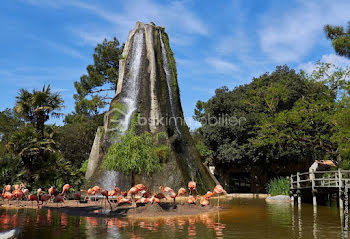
column 319, row 182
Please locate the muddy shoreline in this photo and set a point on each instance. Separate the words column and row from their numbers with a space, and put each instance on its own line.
column 101, row 209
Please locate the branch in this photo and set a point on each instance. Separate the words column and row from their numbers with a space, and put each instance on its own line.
column 101, row 90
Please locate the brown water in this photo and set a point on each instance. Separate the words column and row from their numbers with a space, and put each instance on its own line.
column 242, row 218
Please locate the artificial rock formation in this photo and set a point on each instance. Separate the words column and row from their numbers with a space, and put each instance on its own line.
column 148, row 85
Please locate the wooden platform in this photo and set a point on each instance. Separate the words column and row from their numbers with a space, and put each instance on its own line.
column 319, row 182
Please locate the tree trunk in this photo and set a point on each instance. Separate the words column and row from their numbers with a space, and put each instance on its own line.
column 28, row 169
column 132, row 179
column 40, row 125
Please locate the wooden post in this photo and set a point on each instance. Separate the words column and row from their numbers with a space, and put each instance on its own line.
column 298, row 189
column 340, row 184
column 291, row 189
column 314, row 201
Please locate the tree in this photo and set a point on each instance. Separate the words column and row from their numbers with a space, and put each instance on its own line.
column 101, row 78
column 230, row 120
column 136, row 154
column 75, row 138
column 37, row 107
column 32, row 149
column 317, row 124
column 206, row 153
column 340, row 39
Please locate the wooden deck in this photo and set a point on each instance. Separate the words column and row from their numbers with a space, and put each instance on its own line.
column 318, row 182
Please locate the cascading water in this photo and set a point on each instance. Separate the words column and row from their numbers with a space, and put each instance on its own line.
column 132, row 86
column 132, row 82
column 168, row 81
column 168, row 77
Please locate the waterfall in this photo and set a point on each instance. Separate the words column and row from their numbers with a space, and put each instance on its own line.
column 168, row 77
column 132, row 88
column 168, row 81
column 132, row 82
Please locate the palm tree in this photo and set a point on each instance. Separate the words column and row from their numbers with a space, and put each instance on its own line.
column 37, row 107
column 26, row 144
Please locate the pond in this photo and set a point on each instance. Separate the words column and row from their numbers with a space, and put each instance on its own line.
column 242, row 218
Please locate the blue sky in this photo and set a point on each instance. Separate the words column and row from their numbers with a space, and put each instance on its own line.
column 215, row 43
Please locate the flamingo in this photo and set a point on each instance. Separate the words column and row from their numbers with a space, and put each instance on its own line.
column 38, row 192
column 59, row 199
column 168, row 191
column 219, row 190
column 114, row 192
column 173, row 195
column 140, row 187
column 192, row 200
column 105, row 194
column 88, row 192
column 181, row 192
column 155, row 199
column 123, row 200
column 32, row 198
column 7, row 196
column 132, row 192
column 45, row 198
column 26, row 191
column 8, row 188
column 146, row 194
column 192, row 187
column 65, row 189
column 96, row 190
column 77, row 196
column 143, row 200
column 17, row 194
column 204, row 201
column 52, row 191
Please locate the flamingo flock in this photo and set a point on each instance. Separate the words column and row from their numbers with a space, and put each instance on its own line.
column 137, row 195
column 21, row 193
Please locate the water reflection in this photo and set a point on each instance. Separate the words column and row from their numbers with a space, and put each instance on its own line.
column 242, row 219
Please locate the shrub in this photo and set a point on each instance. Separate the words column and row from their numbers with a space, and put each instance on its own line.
column 278, row 186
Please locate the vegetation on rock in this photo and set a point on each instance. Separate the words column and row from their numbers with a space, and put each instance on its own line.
column 136, row 154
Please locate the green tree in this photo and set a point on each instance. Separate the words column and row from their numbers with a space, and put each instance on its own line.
column 101, row 78
column 136, row 154
column 244, row 108
column 37, row 107
column 204, row 151
column 76, row 136
column 317, row 124
column 340, row 38
column 32, row 149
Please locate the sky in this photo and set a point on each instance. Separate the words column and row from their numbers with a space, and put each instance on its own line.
column 216, row 43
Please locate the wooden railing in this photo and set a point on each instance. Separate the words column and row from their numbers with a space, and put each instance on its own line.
column 317, row 179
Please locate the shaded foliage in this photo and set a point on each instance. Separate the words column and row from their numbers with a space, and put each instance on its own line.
column 101, row 78
column 280, row 121
column 340, row 38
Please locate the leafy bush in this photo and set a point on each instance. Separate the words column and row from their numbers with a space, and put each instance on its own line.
column 278, row 186
column 136, row 154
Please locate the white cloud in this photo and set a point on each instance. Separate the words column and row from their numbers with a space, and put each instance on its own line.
column 338, row 61
column 292, row 35
column 175, row 16
column 221, row 66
